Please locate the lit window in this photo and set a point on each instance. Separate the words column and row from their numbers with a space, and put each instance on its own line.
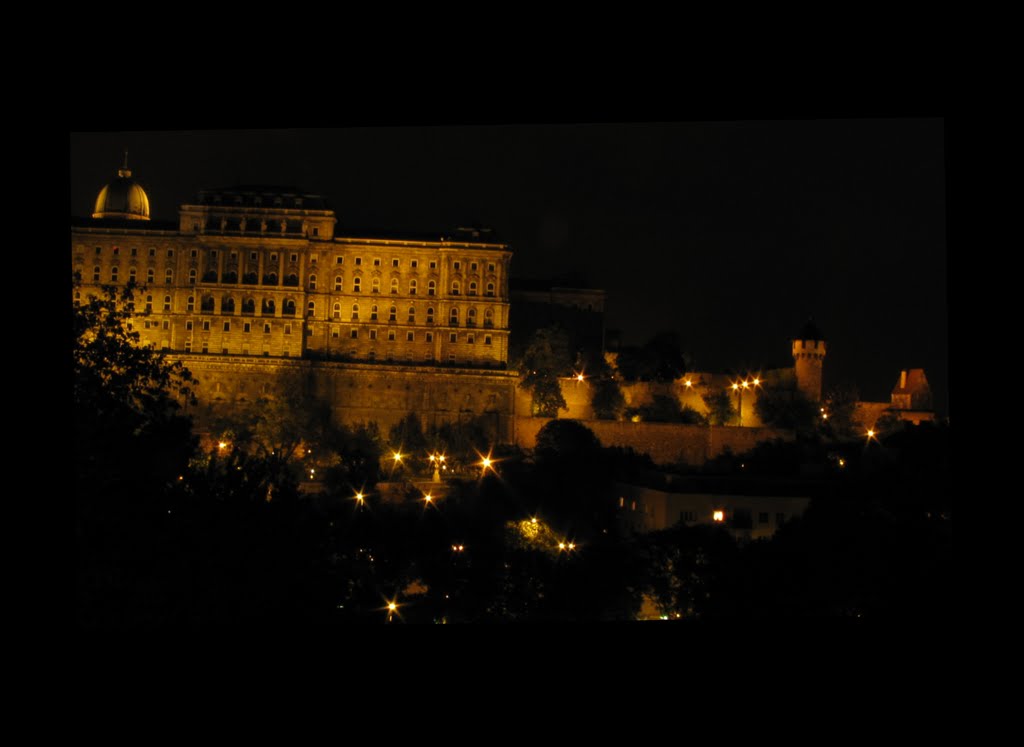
column 336, row 312
column 431, row 287
column 394, row 285
column 412, row 287
column 337, row 284
column 718, row 515
column 373, row 313
column 312, row 282
column 375, row 285
column 472, row 289
column 456, row 287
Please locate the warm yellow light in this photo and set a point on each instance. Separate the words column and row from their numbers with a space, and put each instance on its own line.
column 442, row 457
column 222, row 445
column 392, row 606
column 757, row 382
column 396, row 456
column 718, row 516
column 735, row 386
column 746, row 384
column 572, row 545
column 824, row 416
column 428, row 497
column 359, row 497
column 433, row 458
column 871, row 433
column 579, row 377
column 533, row 519
column 689, row 382
column 486, row 462
column 561, row 545
column 461, row 548
column 842, row 462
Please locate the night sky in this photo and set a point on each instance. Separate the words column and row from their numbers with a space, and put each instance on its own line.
column 730, row 233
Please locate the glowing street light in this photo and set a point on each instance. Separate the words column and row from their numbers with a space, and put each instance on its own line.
column 580, row 377
column 222, row 445
column 718, row 516
column 688, row 383
column 871, row 433
column 360, row 499
column 428, row 498
column 397, row 457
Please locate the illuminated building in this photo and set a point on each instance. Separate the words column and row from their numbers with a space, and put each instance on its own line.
column 252, row 276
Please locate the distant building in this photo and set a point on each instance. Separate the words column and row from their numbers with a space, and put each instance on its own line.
column 539, row 304
column 910, row 401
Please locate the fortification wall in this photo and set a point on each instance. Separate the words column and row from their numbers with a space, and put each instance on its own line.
column 665, row 443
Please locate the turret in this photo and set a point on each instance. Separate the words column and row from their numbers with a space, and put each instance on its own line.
column 808, row 356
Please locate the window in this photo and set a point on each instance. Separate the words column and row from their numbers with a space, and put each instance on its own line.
column 430, row 336
column 95, row 274
column 288, row 308
column 375, row 285
column 227, row 305
column 431, row 287
column 206, row 325
column 392, row 314
column 394, row 263
column 234, row 256
column 311, row 310
column 489, row 318
column 414, row 263
column 191, row 304
column 150, row 275
column 206, row 347
column 313, row 258
column 373, row 334
column 391, row 335
column 273, row 258
column 188, row 346
column 457, row 266
column 131, row 275
column 487, row 339
column 472, row 267
column 373, row 313
column 490, row 289
column 170, row 254
column 268, row 307
column 334, row 332
column 371, row 356
column 355, row 285
column 253, row 256
column 168, row 276
column 113, row 274
column 762, row 517
column 410, row 336
column 451, row 358
column 248, row 306
column 353, row 333
column 117, row 250
column 453, row 337
column 99, row 250
column 456, row 287
column 376, row 261
column 336, row 312
column 293, row 258
column 338, row 284
column 472, row 288
column 312, row 282
column 412, row 315
column 227, row 326
column 355, row 312
column 430, row 316
column 152, row 252
column 394, row 285
column 359, row 261
column 188, row 326
column 412, row 287
column 213, row 253
column 470, row 339
column 471, row 318
column 194, row 253
column 247, row 327
column 192, row 276
column 134, row 252
column 453, row 318
column 490, row 267
column 167, row 303
column 149, row 305
column 287, row 329
column 266, row 329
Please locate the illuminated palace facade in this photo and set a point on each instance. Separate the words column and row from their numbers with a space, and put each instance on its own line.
column 251, row 280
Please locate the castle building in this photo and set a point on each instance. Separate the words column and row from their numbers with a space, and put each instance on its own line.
column 252, row 276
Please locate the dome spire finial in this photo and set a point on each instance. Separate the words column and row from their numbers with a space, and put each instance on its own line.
column 125, row 171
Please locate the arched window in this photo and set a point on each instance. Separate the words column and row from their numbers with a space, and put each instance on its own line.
column 312, row 282
column 168, row 276
column 337, row 284
column 453, row 318
column 268, row 307
column 430, row 315
column 191, row 305
column 489, row 318
column 288, row 307
column 95, row 274
column 227, row 305
column 472, row 288
column 248, row 306
column 336, row 312
column 431, row 287
column 132, row 275
column 149, row 304
column 412, row 314
column 392, row 314
column 456, row 287
column 311, row 311
column 471, row 317
column 150, row 275
column 412, row 287
column 394, row 285
column 490, row 289
column 270, row 278
column 113, row 274
column 207, row 304
column 355, row 312
column 375, row 285
column 373, row 313
column 167, row 303
column 356, row 285
column 192, row 276
column 291, row 279
column 230, row 277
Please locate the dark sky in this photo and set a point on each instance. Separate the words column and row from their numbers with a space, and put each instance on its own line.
column 729, row 233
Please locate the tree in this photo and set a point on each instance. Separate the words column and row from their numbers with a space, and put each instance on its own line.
column 721, row 410
column 786, row 408
column 546, row 359
column 840, row 405
column 659, row 359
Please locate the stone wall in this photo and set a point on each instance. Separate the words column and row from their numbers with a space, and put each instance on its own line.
column 665, row 443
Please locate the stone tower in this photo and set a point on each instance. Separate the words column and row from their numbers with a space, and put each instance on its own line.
column 808, row 356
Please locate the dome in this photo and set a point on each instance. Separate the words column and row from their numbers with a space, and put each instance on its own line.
column 122, row 198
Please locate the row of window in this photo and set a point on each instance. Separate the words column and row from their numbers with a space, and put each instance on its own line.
column 392, row 336
column 413, row 263
column 357, row 286
column 453, row 316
